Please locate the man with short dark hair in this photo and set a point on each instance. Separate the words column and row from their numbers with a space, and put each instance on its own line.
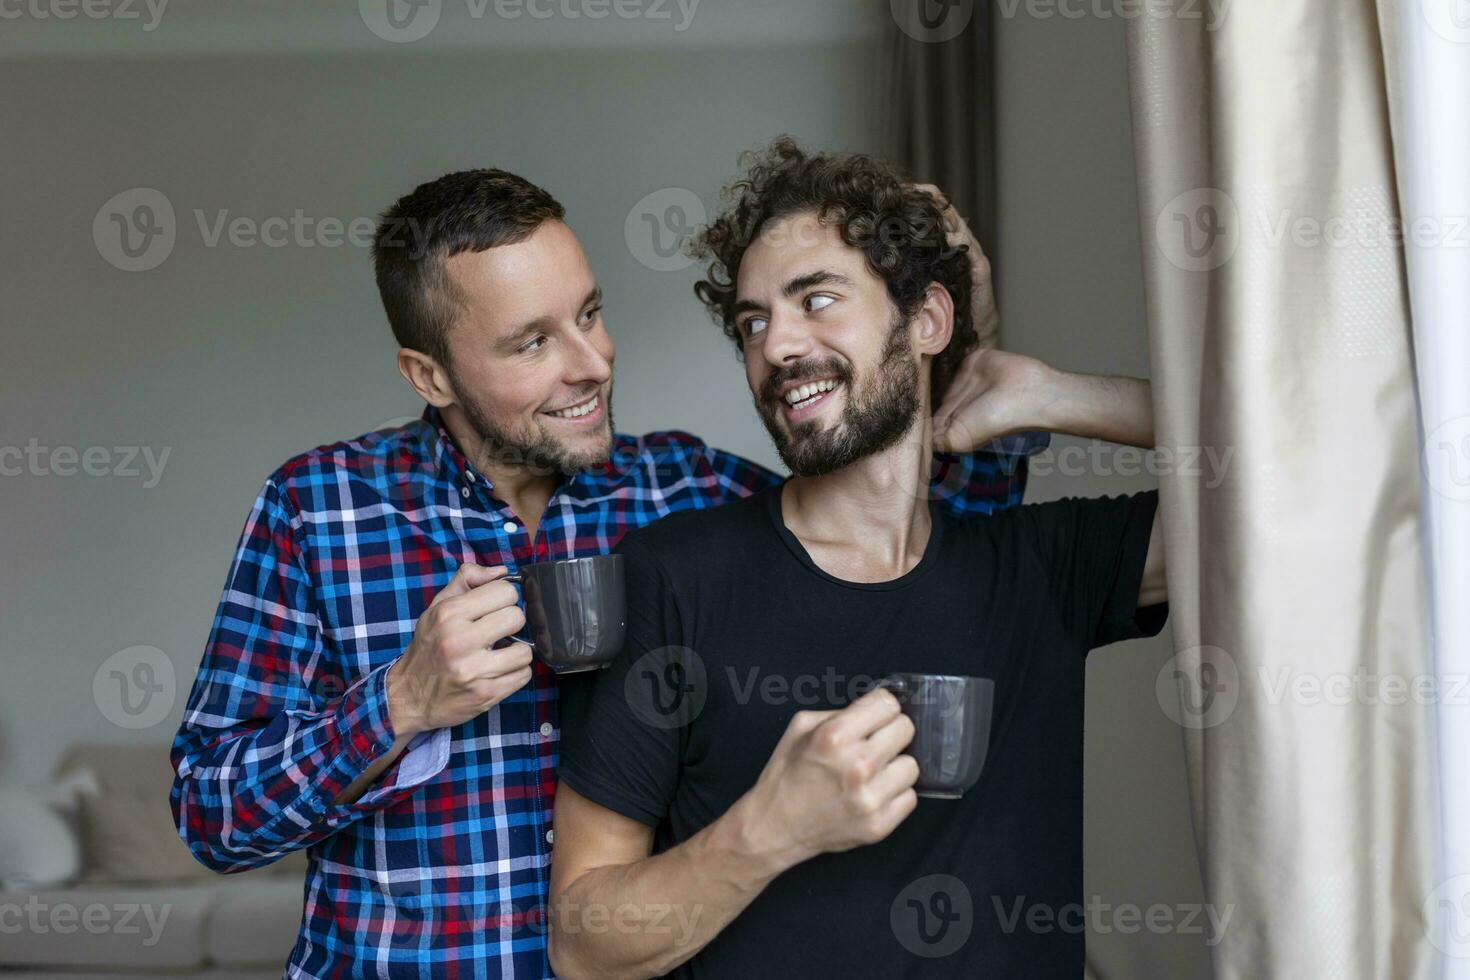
column 360, row 694
column 707, row 826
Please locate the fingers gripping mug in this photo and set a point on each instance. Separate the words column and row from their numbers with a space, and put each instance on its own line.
column 951, row 717
column 575, row 611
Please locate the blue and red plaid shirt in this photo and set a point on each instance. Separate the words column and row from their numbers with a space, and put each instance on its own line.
column 441, row 868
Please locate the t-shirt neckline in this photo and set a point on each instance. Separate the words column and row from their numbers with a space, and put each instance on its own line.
column 799, row 552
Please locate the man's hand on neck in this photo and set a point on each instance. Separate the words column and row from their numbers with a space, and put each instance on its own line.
column 999, row 393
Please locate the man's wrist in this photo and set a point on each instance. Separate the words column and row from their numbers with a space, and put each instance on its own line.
column 758, row 857
column 1042, row 399
column 1055, row 400
column 403, row 712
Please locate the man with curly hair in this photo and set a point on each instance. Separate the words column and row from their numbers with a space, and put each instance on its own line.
column 736, row 800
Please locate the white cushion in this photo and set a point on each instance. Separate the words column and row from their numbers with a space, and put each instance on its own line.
column 126, row 828
column 37, row 848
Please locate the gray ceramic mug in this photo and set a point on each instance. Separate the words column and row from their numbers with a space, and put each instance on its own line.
column 951, row 717
column 575, row 611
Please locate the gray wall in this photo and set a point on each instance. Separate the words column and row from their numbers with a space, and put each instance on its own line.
column 232, row 358
column 1070, row 282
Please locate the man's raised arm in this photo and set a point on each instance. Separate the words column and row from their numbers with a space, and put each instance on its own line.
column 1002, row 393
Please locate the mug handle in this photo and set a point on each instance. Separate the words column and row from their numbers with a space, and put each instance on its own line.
column 897, row 685
column 519, row 579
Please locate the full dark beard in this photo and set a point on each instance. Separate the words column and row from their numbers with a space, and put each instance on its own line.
column 542, row 456
column 872, row 420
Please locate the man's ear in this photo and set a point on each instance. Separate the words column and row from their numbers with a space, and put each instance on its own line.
column 426, row 376
column 934, row 324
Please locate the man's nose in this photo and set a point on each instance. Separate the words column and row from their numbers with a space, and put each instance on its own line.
column 787, row 339
column 587, row 361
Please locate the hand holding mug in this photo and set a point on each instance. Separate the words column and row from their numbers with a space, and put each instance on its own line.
column 837, row 780
column 450, row 673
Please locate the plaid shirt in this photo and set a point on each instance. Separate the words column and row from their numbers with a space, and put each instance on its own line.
column 441, row 868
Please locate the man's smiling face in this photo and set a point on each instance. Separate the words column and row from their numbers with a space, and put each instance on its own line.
column 530, row 359
column 829, row 360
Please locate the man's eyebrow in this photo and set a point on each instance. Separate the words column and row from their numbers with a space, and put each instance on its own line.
column 800, row 284
column 593, row 297
column 821, row 277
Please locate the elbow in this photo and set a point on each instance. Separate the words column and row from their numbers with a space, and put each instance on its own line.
column 560, row 967
column 225, row 857
column 576, row 961
column 221, row 853
column 214, row 861
column 566, row 947
column 563, row 965
column 212, row 854
column 206, row 851
column 226, row 861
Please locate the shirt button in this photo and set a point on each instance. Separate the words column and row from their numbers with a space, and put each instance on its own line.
column 469, row 476
column 511, row 527
column 551, row 837
column 464, row 492
column 546, row 729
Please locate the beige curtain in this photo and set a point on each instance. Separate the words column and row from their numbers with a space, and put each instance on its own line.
column 1279, row 333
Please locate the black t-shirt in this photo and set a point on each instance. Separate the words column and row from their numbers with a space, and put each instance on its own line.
column 732, row 628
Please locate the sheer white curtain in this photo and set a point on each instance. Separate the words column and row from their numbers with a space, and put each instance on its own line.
column 1280, row 331
column 1432, row 103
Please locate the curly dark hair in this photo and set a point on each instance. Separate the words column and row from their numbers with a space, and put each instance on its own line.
column 898, row 227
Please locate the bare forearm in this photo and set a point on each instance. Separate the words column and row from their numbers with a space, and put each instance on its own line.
column 646, row 918
column 1091, row 406
column 1117, row 410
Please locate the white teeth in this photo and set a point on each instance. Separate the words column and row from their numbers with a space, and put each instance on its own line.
column 577, row 411
column 803, row 393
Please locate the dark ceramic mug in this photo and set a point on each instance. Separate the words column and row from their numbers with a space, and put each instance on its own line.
column 575, row 611
column 951, row 717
